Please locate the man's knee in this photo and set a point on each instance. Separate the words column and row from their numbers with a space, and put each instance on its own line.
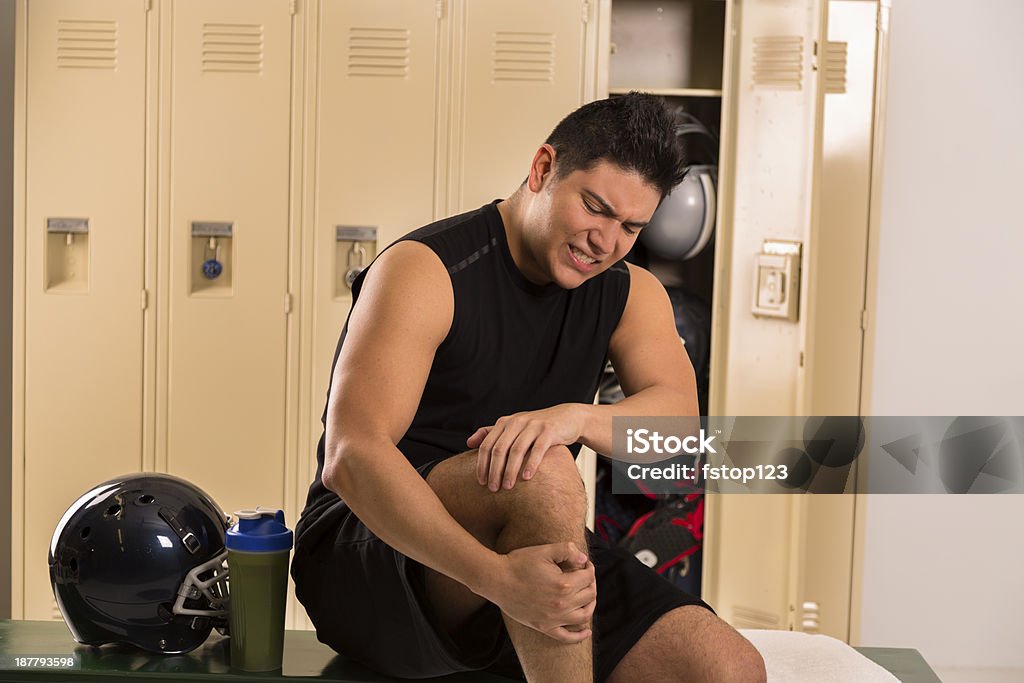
column 744, row 665
column 553, row 497
column 550, row 507
column 736, row 660
column 690, row 643
column 555, row 489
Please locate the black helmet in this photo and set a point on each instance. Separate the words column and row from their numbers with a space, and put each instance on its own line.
column 141, row 560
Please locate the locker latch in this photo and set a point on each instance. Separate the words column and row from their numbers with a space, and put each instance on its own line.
column 360, row 245
column 777, row 280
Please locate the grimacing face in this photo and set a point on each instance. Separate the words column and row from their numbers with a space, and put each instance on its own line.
column 586, row 222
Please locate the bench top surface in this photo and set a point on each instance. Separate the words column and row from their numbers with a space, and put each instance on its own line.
column 305, row 658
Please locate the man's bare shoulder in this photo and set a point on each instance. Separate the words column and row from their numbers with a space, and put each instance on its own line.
column 645, row 290
column 647, row 302
column 408, row 287
column 642, row 279
column 409, row 261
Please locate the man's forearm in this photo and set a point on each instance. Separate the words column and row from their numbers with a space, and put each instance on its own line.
column 399, row 506
column 651, row 402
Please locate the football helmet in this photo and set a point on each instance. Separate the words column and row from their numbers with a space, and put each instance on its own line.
column 141, row 560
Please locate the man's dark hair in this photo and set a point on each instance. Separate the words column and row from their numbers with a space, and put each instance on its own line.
column 635, row 132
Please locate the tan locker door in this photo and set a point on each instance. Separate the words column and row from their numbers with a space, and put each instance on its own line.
column 83, row 338
column 229, row 163
column 523, row 66
column 377, row 119
column 753, row 545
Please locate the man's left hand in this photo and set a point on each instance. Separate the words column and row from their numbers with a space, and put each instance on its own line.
column 519, row 442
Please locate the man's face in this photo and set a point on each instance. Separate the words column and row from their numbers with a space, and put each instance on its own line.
column 585, row 222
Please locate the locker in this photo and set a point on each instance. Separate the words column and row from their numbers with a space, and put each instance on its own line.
column 752, row 558
column 522, row 69
column 678, row 50
column 796, row 115
column 84, row 266
column 804, row 86
column 376, row 153
column 228, row 179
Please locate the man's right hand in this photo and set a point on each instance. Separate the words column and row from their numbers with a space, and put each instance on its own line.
column 550, row 588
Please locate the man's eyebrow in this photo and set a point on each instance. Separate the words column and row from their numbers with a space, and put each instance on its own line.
column 607, row 209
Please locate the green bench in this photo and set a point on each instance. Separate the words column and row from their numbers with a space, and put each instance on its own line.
column 304, row 659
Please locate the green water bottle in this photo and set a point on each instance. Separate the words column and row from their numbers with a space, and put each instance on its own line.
column 258, row 547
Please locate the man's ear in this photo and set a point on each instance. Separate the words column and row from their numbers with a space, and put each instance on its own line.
column 542, row 169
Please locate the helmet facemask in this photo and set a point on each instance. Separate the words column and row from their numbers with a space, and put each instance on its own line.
column 208, row 580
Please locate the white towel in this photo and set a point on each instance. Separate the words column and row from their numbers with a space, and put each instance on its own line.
column 792, row 657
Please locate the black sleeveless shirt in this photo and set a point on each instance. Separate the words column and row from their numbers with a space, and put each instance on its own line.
column 512, row 346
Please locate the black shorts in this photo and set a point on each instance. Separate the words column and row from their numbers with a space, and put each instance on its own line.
column 367, row 602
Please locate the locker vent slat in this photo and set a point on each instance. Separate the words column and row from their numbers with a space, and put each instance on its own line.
column 232, row 48
column 835, row 68
column 810, row 621
column 779, row 62
column 523, row 56
column 378, row 52
column 749, row 617
column 86, row 44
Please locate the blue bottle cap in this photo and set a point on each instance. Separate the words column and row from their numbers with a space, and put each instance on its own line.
column 259, row 531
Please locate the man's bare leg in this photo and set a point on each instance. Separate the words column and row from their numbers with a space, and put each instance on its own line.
column 549, row 508
column 690, row 644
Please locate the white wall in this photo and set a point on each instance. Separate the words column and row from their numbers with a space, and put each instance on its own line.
column 943, row 574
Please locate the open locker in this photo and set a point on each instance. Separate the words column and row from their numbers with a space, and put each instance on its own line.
column 788, row 88
column 675, row 50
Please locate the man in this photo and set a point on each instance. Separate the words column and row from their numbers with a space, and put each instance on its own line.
column 488, row 331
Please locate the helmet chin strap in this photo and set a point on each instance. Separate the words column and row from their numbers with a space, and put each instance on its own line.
column 188, row 538
column 214, row 589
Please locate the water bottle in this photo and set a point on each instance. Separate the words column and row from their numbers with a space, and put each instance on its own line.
column 258, row 547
